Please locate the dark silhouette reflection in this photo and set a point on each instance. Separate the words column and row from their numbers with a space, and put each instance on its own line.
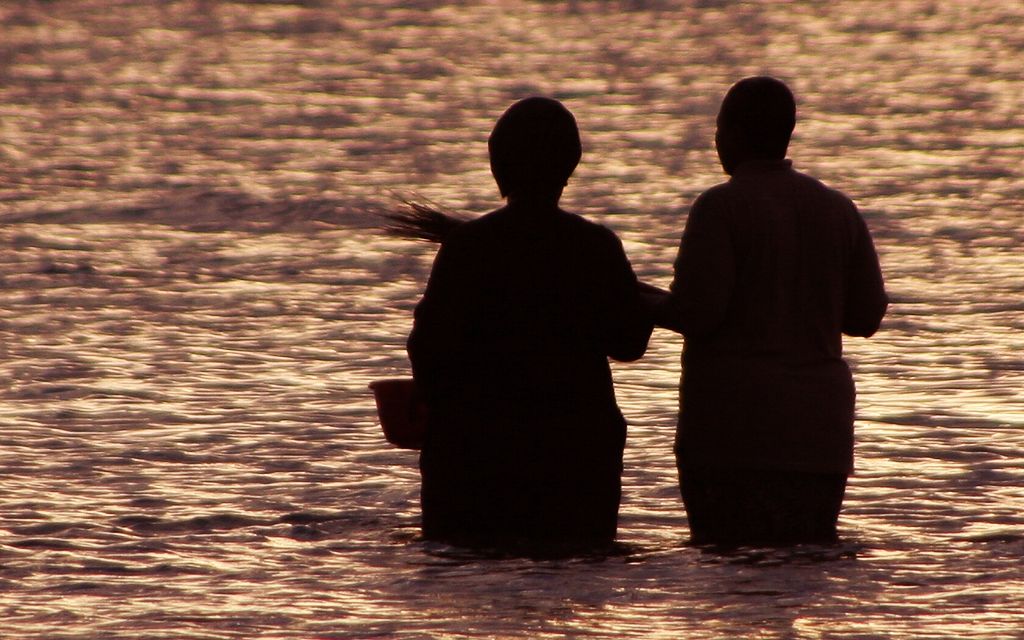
column 772, row 269
column 510, row 349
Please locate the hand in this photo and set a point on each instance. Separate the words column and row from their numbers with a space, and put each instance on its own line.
column 651, row 297
column 649, row 290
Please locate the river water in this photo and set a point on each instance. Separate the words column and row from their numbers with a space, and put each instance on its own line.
column 194, row 296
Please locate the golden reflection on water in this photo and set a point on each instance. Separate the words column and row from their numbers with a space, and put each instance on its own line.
column 194, row 300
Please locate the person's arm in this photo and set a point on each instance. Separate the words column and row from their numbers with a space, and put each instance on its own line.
column 625, row 320
column 651, row 292
column 653, row 298
column 704, row 273
column 434, row 341
column 866, row 300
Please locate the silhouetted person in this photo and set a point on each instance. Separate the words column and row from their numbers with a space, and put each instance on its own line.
column 510, row 348
column 773, row 268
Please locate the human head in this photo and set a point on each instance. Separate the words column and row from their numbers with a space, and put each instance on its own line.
column 534, row 148
column 755, row 121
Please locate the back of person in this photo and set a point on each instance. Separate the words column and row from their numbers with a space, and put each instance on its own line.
column 510, row 347
column 794, row 240
column 773, row 268
column 540, row 293
column 796, row 247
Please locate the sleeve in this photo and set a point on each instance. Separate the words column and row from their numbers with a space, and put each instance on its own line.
column 704, row 273
column 433, row 344
column 625, row 322
column 866, row 300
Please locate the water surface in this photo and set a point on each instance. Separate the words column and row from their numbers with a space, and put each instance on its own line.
column 194, row 298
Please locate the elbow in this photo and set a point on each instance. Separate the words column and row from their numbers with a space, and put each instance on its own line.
column 414, row 345
column 634, row 347
column 861, row 330
column 423, row 351
column 628, row 353
column 865, row 325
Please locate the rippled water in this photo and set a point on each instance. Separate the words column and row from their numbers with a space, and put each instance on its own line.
column 193, row 298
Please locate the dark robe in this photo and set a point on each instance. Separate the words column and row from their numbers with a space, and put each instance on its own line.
column 773, row 268
column 510, row 350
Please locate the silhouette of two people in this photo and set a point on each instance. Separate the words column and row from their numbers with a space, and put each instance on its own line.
column 526, row 304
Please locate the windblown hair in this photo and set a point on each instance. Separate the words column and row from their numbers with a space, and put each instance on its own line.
column 422, row 221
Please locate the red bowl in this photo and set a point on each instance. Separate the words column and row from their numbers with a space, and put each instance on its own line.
column 403, row 416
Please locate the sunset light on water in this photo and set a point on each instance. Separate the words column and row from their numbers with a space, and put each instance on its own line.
column 196, row 294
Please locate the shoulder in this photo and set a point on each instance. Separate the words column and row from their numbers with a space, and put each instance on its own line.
column 829, row 194
column 482, row 223
column 714, row 203
column 472, row 231
column 584, row 230
column 718, row 195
